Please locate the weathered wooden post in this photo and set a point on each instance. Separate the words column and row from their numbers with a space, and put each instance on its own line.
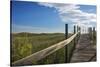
column 79, row 29
column 66, row 48
column 77, row 34
column 75, row 37
column 90, row 32
column 94, row 35
column 74, row 44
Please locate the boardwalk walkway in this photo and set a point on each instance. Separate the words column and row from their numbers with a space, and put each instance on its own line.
column 85, row 51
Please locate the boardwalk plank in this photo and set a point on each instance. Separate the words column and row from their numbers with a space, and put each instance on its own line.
column 84, row 50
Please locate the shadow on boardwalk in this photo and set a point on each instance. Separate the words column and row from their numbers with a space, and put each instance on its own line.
column 85, row 51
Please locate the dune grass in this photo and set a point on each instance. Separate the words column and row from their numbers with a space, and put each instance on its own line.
column 24, row 44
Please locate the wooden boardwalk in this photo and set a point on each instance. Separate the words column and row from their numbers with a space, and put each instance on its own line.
column 85, row 51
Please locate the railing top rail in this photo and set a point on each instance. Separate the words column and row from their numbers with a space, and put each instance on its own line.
column 43, row 53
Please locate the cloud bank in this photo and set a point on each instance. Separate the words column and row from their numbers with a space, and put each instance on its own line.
column 71, row 13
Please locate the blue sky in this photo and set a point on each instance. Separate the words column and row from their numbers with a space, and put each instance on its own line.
column 49, row 18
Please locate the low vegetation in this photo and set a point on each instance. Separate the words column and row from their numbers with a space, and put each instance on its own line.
column 24, row 44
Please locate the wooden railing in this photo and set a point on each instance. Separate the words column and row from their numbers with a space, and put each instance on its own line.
column 43, row 53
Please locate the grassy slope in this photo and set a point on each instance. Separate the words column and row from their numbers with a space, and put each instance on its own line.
column 24, row 44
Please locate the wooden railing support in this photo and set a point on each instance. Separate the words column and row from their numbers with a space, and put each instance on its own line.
column 66, row 48
column 75, row 37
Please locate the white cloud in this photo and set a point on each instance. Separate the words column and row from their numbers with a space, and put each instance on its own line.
column 71, row 13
